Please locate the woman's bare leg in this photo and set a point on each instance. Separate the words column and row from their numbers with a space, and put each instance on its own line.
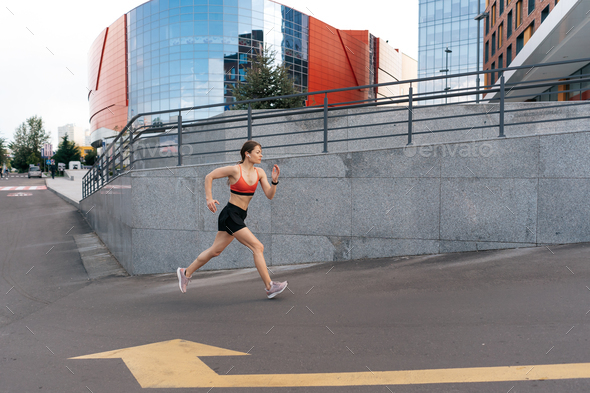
column 247, row 238
column 222, row 240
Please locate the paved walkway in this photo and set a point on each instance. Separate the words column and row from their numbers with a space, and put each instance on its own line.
column 68, row 189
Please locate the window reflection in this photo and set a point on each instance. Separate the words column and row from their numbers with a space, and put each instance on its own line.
column 180, row 49
column 459, row 33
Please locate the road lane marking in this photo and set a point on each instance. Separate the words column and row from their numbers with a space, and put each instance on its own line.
column 15, row 188
column 176, row 364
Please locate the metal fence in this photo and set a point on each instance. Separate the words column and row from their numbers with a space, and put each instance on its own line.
column 211, row 136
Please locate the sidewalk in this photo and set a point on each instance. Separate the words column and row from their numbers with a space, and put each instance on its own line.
column 69, row 190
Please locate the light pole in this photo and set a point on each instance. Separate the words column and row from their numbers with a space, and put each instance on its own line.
column 478, row 18
column 446, row 70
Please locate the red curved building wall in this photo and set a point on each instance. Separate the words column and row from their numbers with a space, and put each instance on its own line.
column 107, row 77
column 337, row 59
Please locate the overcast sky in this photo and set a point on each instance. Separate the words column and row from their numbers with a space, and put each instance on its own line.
column 44, row 47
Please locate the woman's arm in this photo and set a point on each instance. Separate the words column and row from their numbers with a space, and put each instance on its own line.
column 218, row 173
column 269, row 190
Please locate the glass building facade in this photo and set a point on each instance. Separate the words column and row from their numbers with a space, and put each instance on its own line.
column 185, row 53
column 449, row 23
column 172, row 54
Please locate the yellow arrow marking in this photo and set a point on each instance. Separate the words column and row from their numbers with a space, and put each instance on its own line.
column 175, row 364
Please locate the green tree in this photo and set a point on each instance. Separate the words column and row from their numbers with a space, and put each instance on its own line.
column 3, row 153
column 66, row 152
column 264, row 79
column 28, row 139
column 90, row 157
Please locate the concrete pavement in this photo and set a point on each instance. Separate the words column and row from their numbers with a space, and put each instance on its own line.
column 517, row 308
column 68, row 188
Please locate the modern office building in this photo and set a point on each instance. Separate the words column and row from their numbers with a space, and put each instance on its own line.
column 448, row 24
column 168, row 54
column 75, row 134
column 522, row 32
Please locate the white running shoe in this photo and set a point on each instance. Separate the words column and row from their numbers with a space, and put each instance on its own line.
column 182, row 279
column 275, row 288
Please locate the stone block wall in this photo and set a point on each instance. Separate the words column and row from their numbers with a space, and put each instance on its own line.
column 481, row 194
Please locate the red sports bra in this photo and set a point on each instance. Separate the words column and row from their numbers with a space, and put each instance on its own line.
column 241, row 187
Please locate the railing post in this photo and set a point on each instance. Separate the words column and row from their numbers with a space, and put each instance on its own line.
column 179, row 138
column 325, row 123
column 501, row 107
column 131, row 158
column 249, row 122
column 410, row 113
column 107, row 164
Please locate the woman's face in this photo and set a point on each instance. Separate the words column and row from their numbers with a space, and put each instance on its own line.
column 256, row 155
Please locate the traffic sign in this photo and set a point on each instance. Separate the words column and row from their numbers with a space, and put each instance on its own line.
column 176, row 364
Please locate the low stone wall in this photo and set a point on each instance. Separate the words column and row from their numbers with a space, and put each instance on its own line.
column 425, row 199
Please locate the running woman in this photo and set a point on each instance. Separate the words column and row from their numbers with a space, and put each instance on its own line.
column 243, row 179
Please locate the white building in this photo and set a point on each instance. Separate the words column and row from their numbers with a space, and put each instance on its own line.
column 394, row 66
column 74, row 132
column 87, row 137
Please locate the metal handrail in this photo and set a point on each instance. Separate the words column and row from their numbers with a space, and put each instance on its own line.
column 119, row 155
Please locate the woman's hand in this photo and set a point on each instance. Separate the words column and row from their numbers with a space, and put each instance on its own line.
column 275, row 173
column 211, row 204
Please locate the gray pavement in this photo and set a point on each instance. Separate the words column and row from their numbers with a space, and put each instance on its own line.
column 479, row 309
column 68, row 188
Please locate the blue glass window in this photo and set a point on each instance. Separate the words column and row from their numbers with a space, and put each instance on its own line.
column 186, row 66
column 201, row 28
column 245, row 12
column 163, row 33
column 174, row 30
column 230, row 29
column 230, row 17
column 175, row 67
column 258, row 5
column 230, row 10
column 201, row 66
column 186, row 29
column 215, row 28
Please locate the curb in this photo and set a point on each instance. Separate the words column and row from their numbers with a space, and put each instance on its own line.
column 96, row 257
column 62, row 196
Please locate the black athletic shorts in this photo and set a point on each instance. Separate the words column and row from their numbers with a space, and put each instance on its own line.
column 231, row 219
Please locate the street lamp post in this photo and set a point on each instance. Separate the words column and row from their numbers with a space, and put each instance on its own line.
column 478, row 18
column 446, row 71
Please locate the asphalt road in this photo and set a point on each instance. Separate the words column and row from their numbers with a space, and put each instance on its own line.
column 487, row 309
